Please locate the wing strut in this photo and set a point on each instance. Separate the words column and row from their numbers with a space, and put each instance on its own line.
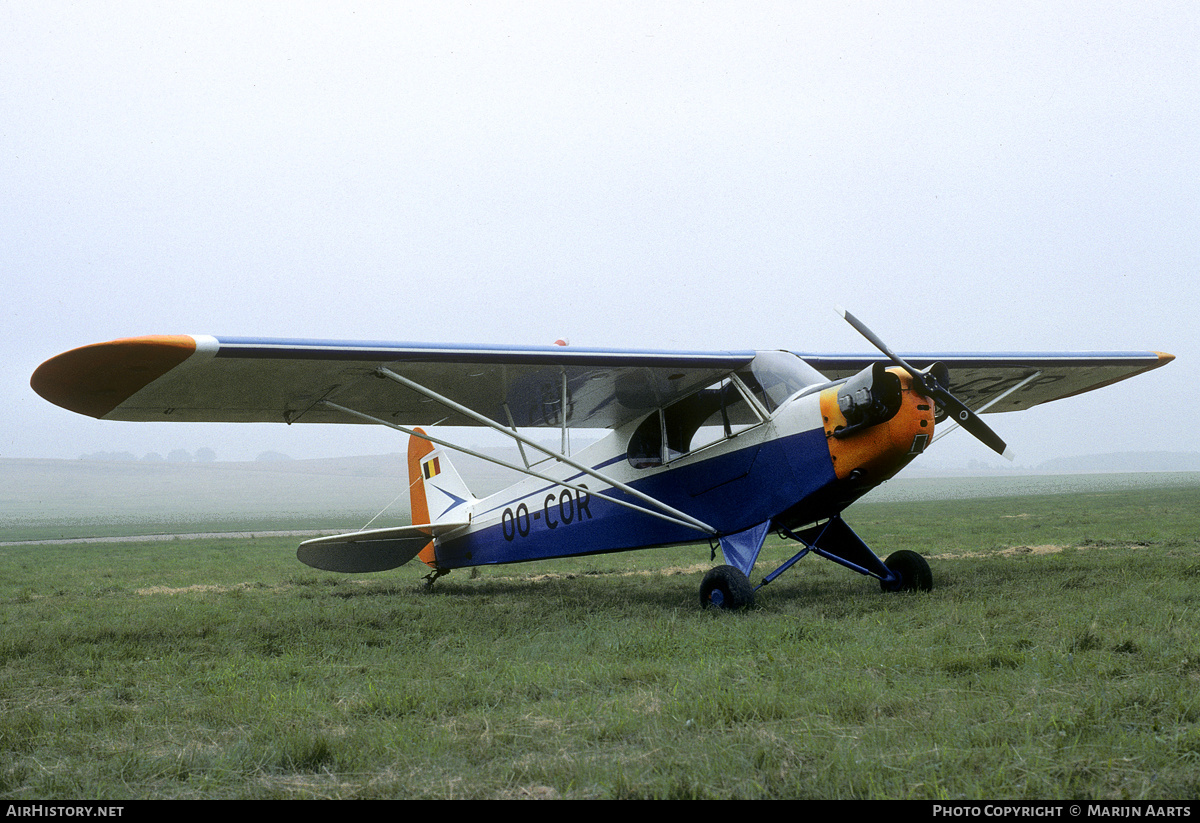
column 513, row 426
column 682, row 519
column 562, row 415
column 676, row 515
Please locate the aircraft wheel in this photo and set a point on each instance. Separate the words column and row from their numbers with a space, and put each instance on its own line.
column 914, row 572
column 726, row 588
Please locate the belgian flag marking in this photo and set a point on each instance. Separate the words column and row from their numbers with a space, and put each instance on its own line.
column 432, row 468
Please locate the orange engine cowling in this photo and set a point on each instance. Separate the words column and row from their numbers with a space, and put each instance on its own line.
column 875, row 424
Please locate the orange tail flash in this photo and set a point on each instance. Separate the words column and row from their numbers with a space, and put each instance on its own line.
column 417, row 450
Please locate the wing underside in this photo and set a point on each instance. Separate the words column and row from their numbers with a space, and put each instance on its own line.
column 1011, row 381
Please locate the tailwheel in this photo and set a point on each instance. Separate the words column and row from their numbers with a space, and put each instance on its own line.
column 912, row 570
column 433, row 576
column 725, row 587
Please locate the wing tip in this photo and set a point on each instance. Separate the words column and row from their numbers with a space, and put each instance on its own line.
column 93, row 380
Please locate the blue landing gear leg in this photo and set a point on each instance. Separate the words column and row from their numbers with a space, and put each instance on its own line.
column 834, row 540
column 728, row 587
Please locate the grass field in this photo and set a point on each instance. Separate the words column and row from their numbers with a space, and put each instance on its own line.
column 1058, row 656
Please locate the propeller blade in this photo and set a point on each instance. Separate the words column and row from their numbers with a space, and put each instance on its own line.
column 878, row 343
column 928, row 384
column 969, row 420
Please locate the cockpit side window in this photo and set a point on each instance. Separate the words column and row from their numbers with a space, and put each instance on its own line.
column 645, row 447
column 701, row 419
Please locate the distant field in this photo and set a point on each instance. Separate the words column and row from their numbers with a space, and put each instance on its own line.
column 48, row 499
column 1001, row 484
column 70, row 498
column 1058, row 656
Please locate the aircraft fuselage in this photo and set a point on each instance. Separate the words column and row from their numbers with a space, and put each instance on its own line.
column 791, row 467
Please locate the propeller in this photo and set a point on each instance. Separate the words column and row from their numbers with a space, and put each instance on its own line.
column 932, row 383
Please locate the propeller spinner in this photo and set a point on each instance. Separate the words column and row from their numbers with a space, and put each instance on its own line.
column 932, row 384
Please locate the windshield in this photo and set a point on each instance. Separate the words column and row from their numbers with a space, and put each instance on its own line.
column 774, row 376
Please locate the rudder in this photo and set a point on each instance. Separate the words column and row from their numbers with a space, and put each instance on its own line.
column 436, row 491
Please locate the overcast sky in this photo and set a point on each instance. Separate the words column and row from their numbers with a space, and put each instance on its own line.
column 962, row 176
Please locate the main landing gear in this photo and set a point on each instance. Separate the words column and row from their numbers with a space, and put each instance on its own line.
column 728, row 587
column 911, row 569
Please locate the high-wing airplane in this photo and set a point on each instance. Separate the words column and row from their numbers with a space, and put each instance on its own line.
column 723, row 446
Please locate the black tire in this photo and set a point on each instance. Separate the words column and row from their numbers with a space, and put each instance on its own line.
column 726, row 588
column 914, row 572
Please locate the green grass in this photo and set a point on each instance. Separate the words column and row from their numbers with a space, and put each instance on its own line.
column 223, row 668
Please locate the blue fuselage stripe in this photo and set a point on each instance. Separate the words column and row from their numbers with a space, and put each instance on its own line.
column 727, row 491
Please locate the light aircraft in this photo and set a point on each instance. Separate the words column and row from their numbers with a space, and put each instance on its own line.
column 724, row 446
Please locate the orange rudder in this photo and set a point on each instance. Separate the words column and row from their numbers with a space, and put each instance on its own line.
column 418, row 448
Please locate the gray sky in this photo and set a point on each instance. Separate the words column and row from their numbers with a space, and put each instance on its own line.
column 962, row 176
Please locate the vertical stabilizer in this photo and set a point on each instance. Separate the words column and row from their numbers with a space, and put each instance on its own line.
column 436, row 491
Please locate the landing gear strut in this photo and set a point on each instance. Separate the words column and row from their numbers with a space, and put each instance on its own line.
column 726, row 587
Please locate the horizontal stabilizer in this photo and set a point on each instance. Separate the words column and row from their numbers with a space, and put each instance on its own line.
column 376, row 550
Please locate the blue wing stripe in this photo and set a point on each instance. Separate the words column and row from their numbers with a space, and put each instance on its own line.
column 283, row 349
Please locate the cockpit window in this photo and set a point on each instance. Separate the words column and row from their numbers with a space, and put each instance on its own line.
column 701, row 419
column 774, row 376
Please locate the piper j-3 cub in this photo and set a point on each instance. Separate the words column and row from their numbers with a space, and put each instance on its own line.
column 724, row 446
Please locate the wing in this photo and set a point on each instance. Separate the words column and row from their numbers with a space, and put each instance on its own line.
column 235, row 379
column 1030, row 379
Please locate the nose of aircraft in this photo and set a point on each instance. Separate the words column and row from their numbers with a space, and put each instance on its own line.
column 873, row 453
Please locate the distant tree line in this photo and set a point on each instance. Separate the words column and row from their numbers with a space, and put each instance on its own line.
column 204, row 455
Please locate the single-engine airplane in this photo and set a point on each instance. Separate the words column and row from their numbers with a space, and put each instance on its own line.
column 724, row 446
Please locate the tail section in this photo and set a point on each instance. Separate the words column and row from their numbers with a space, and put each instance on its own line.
column 436, row 491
